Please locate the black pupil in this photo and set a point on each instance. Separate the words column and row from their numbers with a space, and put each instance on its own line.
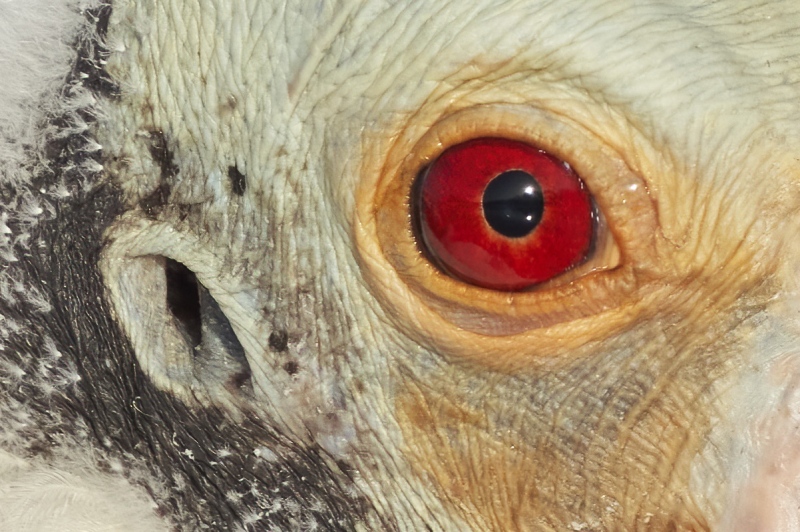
column 513, row 203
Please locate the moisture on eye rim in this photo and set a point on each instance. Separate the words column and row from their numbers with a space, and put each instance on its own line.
column 513, row 203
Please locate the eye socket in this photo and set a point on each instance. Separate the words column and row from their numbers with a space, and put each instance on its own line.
column 502, row 214
column 465, row 320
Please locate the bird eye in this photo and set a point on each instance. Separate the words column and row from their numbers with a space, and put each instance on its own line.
column 504, row 220
column 502, row 214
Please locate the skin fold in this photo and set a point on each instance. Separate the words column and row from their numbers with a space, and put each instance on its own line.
column 265, row 154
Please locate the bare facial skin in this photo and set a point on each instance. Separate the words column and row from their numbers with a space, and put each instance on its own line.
column 286, row 354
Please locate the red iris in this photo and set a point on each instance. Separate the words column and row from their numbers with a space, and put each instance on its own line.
column 504, row 215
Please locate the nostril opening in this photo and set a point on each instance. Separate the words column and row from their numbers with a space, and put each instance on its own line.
column 182, row 336
column 183, row 300
column 217, row 355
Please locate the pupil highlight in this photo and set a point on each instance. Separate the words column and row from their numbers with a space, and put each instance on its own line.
column 513, row 203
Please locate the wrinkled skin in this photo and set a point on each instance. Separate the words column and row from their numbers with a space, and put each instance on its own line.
column 270, row 148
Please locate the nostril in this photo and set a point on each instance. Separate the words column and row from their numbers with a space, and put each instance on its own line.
column 181, row 334
column 217, row 355
column 183, row 300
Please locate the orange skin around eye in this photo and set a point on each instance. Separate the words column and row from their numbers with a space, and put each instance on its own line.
column 458, row 236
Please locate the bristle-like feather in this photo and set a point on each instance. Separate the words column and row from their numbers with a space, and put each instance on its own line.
column 60, row 487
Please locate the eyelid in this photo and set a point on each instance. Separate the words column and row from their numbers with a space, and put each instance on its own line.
column 423, row 294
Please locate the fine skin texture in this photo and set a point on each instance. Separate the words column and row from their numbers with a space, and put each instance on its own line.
column 222, row 311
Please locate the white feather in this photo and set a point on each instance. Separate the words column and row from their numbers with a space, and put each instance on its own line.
column 39, row 498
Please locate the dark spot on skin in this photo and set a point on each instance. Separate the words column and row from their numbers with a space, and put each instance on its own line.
column 238, row 182
column 278, row 341
column 291, row 367
column 228, row 106
column 161, row 154
column 121, row 161
column 153, row 203
column 239, row 381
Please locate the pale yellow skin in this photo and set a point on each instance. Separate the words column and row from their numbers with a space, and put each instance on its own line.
column 653, row 389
